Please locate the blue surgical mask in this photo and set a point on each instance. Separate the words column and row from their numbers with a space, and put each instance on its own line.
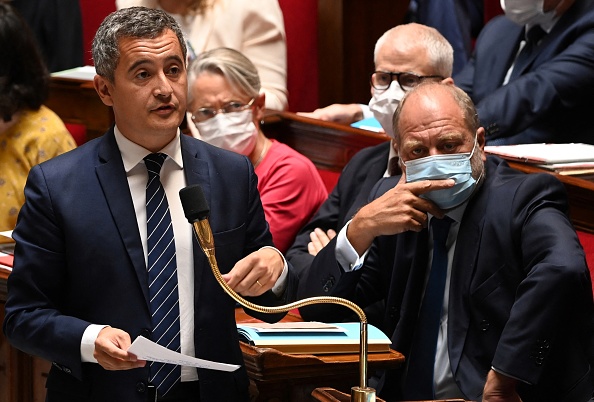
column 448, row 166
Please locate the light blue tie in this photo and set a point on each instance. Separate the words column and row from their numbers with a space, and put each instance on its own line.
column 419, row 377
column 162, row 275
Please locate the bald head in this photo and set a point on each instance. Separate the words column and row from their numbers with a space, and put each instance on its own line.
column 434, row 102
column 419, row 46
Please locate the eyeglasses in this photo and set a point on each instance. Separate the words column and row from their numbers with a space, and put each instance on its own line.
column 381, row 80
column 206, row 113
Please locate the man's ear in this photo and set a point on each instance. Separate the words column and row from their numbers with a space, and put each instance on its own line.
column 104, row 89
column 480, row 141
column 448, row 81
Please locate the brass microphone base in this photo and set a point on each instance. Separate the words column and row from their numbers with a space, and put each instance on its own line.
column 359, row 394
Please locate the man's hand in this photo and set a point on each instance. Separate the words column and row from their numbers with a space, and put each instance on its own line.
column 500, row 388
column 111, row 348
column 338, row 113
column 399, row 210
column 319, row 239
column 256, row 273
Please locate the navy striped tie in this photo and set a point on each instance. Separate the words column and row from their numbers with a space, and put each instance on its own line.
column 162, row 274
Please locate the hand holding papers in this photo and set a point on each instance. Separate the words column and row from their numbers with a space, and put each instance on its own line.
column 149, row 350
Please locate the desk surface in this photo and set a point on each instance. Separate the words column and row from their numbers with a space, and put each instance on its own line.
column 283, row 377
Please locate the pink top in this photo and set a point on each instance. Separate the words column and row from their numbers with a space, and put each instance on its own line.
column 291, row 190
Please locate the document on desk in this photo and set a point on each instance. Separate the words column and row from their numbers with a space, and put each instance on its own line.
column 148, row 350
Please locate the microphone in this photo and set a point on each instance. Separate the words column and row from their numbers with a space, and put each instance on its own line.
column 197, row 211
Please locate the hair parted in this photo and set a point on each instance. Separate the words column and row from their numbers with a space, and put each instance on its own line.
column 132, row 22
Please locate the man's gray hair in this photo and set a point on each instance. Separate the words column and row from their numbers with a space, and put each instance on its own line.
column 236, row 68
column 132, row 22
column 439, row 50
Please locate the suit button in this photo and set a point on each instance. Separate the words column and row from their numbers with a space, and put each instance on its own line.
column 485, row 325
column 67, row 370
column 146, row 333
column 140, row 387
column 326, row 286
column 393, row 312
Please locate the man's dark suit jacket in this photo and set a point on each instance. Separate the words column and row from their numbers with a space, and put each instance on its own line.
column 79, row 260
column 551, row 101
column 350, row 193
column 520, row 296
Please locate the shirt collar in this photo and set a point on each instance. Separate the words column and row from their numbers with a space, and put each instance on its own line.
column 547, row 25
column 133, row 154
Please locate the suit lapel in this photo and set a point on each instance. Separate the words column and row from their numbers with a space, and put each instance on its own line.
column 112, row 178
column 463, row 268
column 197, row 172
column 500, row 58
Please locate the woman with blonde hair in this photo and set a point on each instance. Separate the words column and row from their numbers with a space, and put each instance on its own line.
column 225, row 104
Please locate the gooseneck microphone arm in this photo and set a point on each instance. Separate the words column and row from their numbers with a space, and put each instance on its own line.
column 196, row 211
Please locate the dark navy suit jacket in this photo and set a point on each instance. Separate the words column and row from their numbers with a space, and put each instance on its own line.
column 520, row 296
column 79, row 260
column 551, row 101
column 350, row 193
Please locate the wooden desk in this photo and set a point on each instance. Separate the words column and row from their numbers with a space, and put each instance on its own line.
column 327, row 394
column 282, row 377
column 22, row 377
column 77, row 102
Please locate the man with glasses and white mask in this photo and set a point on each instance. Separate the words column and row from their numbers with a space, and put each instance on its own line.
column 531, row 75
column 486, row 286
column 404, row 56
column 226, row 105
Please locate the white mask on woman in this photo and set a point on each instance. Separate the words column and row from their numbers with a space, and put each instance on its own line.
column 526, row 12
column 232, row 131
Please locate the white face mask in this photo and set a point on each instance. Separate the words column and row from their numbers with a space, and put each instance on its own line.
column 232, row 131
column 526, row 12
column 383, row 105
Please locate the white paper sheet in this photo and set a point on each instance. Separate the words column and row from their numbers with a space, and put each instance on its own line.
column 145, row 349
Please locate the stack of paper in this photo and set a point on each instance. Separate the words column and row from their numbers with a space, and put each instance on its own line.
column 567, row 159
column 312, row 337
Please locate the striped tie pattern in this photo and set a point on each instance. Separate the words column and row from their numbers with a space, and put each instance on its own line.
column 162, row 274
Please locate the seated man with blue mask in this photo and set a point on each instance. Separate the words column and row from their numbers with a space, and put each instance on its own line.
column 404, row 56
column 485, row 283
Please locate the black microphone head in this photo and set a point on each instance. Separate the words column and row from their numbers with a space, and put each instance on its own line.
column 194, row 203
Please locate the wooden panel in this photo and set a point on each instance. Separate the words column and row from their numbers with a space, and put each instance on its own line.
column 329, row 145
column 347, row 32
column 76, row 101
column 22, row 377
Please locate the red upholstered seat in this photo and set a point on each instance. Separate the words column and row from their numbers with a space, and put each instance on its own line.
column 78, row 132
column 587, row 240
